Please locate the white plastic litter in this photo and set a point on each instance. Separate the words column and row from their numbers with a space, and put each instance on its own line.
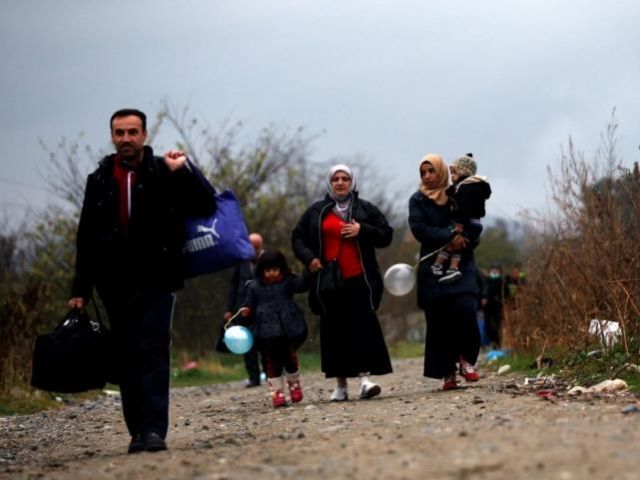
column 609, row 386
column 608, row 331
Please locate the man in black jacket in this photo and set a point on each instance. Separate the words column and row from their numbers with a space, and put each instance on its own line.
column 129, row 247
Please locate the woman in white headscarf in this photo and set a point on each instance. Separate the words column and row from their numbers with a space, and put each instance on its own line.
column 342, row 231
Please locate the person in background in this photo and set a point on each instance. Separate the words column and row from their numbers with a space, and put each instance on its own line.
column 494, row 294
column 516, row 279
column 453, row 338
column 129, row 247
column 242, row 275
column 278, row 324
column 345, row 230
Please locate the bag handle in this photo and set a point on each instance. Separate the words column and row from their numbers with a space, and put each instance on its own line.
column 200, row 176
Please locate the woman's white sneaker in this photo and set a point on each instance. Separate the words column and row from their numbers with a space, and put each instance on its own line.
column 369, row 390
column 339, row 395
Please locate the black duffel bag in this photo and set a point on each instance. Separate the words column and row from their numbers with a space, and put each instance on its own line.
column 74, row 357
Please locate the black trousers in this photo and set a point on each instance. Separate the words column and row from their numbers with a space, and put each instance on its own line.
column 254, row 363
column 452, row 331
column 141, row 327
column 493, row 322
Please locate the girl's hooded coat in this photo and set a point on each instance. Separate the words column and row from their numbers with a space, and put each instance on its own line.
column 276, row 315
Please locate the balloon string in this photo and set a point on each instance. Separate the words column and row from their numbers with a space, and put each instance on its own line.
column 436, row 251
column 233, row 317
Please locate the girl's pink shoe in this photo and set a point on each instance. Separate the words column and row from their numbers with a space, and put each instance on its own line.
column 278, row 400
column 295, row 390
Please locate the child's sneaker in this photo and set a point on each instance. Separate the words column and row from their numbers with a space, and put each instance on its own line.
column 339, row 395
column 450, row 382
column 295, row 390
column 468, row 371
column 450, row 276
column 437, row 270
column 277, row 399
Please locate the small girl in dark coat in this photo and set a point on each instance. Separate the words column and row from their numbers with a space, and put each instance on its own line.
column 279, row 326
column 469, row 193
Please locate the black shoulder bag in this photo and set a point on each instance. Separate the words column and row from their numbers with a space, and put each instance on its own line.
column 75, row 356
column 329, row 278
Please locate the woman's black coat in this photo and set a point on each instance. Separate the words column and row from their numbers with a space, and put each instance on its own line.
column 375, row 232
column 431, row 225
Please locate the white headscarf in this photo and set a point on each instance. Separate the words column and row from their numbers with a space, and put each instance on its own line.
column 343, row 202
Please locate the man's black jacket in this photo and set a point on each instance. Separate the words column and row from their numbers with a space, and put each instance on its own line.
column 150, row 256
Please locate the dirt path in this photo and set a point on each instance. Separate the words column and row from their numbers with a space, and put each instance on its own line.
column 492, row 429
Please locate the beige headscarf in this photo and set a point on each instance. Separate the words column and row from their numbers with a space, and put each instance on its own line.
column 439, row 193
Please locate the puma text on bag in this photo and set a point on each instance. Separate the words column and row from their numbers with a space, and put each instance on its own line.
column 219, row 241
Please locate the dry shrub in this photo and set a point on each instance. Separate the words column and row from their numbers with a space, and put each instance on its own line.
column 20, row 321
column 584, row 256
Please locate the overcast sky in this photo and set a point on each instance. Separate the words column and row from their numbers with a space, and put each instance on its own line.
column 388, row 80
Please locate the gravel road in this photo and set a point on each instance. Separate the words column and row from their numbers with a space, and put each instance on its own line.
column 497, row 428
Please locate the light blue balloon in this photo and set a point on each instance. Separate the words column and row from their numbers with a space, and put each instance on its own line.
column 238, row 339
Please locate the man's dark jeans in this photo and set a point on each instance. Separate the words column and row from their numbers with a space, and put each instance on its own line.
column 141, row 326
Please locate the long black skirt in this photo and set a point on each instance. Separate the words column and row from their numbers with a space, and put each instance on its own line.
column 351, row 340
column 452, row 331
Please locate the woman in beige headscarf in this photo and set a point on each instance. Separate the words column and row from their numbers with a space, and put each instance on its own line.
column 453, row 339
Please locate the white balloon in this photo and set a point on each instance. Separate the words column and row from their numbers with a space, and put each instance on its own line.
column 399, row 279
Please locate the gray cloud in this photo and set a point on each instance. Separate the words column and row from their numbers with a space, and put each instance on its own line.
column 390, row 80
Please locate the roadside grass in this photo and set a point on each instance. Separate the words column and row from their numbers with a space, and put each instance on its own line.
column 522, row 363
column 221, row 368
column 594, row 364
column 586, row 367
column 25, row 401
column 406, row 349
column 12, row 405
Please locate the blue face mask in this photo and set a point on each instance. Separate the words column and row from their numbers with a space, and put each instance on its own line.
column 494, row 275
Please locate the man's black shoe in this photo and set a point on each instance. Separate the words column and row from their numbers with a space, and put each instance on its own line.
column 154, row 442
column 136, row 445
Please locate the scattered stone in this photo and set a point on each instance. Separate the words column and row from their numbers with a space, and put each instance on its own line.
column 631, row 408
column 504, row 369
